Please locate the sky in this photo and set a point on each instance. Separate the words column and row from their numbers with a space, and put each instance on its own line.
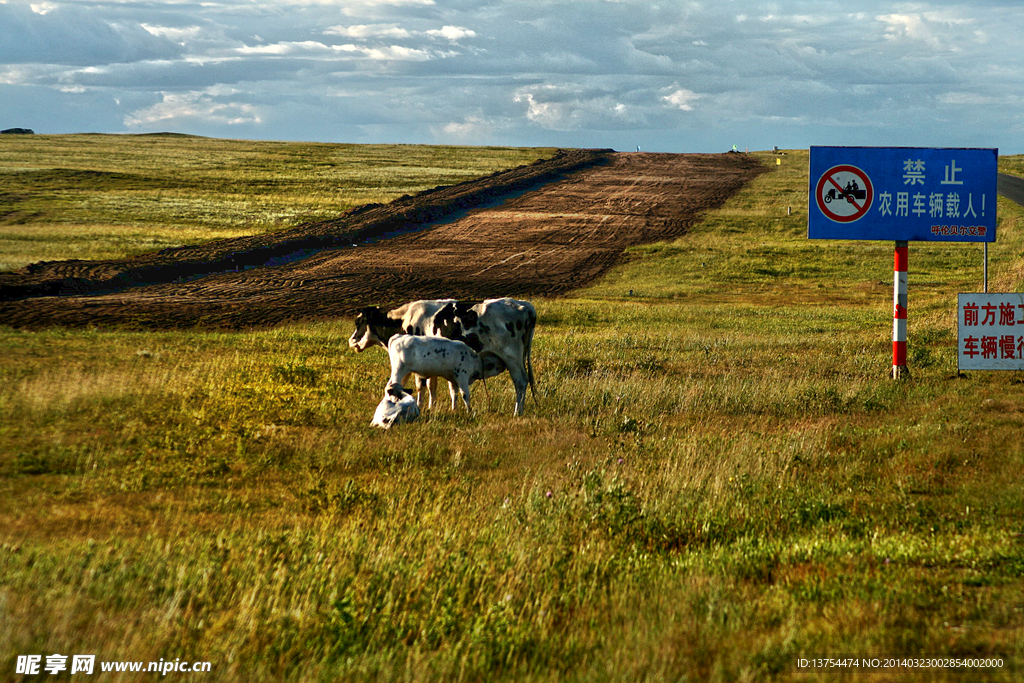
column 678, row 76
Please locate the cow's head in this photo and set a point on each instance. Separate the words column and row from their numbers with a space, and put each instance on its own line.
column 444, row 323
column 458, row 321
column 395, row 391
column 373, row 328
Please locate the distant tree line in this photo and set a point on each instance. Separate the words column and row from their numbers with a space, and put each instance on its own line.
column 17, row 131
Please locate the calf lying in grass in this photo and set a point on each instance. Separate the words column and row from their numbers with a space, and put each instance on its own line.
column 452, row 360
column 397, row 406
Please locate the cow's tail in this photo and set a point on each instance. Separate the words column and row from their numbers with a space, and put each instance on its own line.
column 528, row 359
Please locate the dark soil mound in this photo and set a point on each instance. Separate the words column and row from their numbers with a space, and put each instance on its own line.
column 563, row 222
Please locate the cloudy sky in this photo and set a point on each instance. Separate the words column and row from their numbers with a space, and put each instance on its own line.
column 686, row 76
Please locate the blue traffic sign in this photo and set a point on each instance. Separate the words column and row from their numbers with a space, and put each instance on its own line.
column 903, row 193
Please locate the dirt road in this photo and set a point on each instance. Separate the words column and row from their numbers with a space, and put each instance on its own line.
column 561, row 225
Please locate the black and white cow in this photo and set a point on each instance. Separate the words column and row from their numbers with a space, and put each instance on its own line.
column 500, row 330
column 374, row 327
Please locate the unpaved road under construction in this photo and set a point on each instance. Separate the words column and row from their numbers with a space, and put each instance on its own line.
column 538, row 230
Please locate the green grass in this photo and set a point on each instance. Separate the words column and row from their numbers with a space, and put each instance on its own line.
column 1013, row 165
column 719, row 479
column 110, row 196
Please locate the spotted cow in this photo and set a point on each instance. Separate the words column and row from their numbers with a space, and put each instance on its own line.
column 502, row 328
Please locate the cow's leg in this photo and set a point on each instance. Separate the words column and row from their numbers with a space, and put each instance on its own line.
column 520, row 380
column 430, row 385
column 528, row 362
column 421, row 388
column 464, row 392
column 453, row 392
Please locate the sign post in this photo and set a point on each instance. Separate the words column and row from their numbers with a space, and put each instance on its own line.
column 899, row 303
column 902, row 194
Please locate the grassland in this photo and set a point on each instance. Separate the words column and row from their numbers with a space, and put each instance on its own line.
column 108, row 196
column 719, row 478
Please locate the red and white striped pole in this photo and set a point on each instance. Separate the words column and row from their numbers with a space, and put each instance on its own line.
column 899, row 322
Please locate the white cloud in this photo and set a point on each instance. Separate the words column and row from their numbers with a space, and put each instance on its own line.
column 547, row 114
column 395, row 32
column 181, row 109
column 314, row 48
column 177, row 34
column 387, row 53
column 937, row 29
column 973, row 99
column 966, row 98
column 682, row 98
column 588, row 104
column 452, row 33
column 472, row 129
column 354, row 7
column 13, row 75
column 899, row 25
column 285, row 48
column 363, row 31
column 361, row 8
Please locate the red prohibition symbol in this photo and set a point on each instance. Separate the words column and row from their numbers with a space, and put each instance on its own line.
column 844, row 193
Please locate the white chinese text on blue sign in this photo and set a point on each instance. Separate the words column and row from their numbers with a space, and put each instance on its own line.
column 903, row 193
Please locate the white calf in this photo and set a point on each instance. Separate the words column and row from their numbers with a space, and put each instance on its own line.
column 396, row 407
column 452, row 360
